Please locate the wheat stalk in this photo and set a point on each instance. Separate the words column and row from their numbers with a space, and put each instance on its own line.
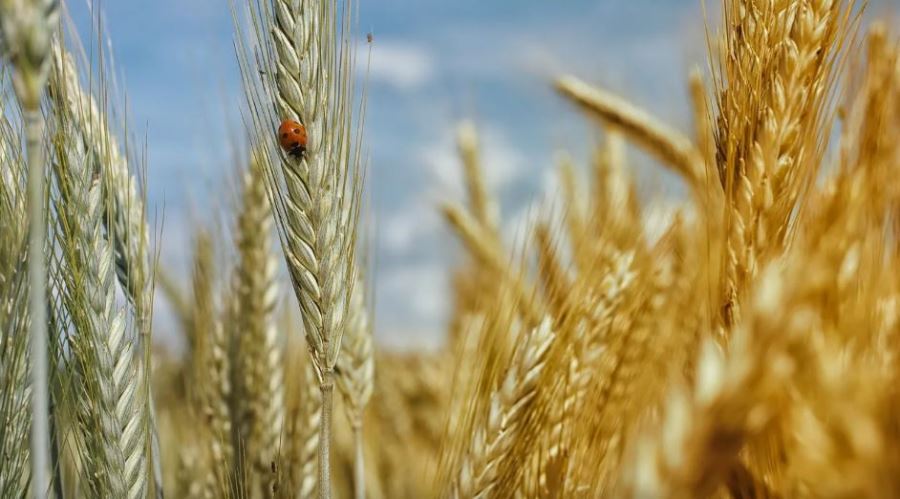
column 26, row 27
column 260, row 384
column 110, row 415
column 314, row 197
column 478, row 472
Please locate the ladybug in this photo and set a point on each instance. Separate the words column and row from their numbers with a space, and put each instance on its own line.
column 292, row 136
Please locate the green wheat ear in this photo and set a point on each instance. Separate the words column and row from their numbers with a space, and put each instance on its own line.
column 307, row 63
column 112, row 415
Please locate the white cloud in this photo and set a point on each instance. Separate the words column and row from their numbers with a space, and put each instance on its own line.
column 417, row 221
column 423, row 287
column 402, row 65
column 416, row 297
column 501, row 161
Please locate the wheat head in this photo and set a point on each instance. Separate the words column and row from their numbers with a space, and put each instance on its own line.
column 111, row 414
column 260, row 381
column 478, row 472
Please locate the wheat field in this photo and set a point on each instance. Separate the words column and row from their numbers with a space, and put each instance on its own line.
column 742, row 344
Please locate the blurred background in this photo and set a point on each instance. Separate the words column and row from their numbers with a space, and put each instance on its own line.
column 433, row 63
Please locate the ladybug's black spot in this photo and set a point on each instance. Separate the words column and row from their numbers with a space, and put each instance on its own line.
column 284, row 135
column 296, row 130
column 297, row 150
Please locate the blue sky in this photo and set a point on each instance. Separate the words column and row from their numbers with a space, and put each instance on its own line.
column 434, row 63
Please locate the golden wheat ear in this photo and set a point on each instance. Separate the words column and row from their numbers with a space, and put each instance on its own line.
column 670, row 146
column 257, row 358
column 509, row 405
column 775, row 82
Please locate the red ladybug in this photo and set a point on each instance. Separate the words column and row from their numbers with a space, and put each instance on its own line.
column 292, row 136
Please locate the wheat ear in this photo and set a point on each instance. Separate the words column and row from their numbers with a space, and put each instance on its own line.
column 26, row 28
column 356, row 372
column 310, row 437
column 302, row 434
column 671, row 147
column 488, row 252
column 774, row 83
column 259, row 377
column 483, row 207
column 126, row 227
column 554, row 276
column 309, row 61
column 478, row 472
column 211, row 386
column 110, row 413
column 15, row 389
column 735, row 397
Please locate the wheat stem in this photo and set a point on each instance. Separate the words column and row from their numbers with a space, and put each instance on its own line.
column 327, row 388
column 25, row 32
column 37, row 285
column 359, row 465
